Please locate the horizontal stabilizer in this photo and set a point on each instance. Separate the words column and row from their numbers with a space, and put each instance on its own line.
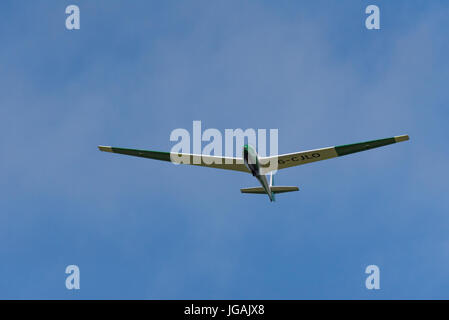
column 258, row 190
column 274, row 189
column 282, row 189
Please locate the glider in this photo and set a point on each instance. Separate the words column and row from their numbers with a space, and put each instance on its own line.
column 259, row 167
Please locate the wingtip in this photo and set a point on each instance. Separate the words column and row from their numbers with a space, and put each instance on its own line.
column 105, row 148
column 404, row 137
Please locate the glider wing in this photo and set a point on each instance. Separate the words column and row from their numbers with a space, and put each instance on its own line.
column 227, row 163
column 303, row 157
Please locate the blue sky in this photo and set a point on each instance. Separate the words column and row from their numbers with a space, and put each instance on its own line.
column 142, row 229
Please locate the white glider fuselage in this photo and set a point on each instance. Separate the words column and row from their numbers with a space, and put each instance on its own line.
column 252, row 163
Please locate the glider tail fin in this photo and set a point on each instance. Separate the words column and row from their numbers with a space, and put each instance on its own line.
column 273, row 195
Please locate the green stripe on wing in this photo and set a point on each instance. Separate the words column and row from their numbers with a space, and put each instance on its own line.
column 164, row 156
column 362, row 146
